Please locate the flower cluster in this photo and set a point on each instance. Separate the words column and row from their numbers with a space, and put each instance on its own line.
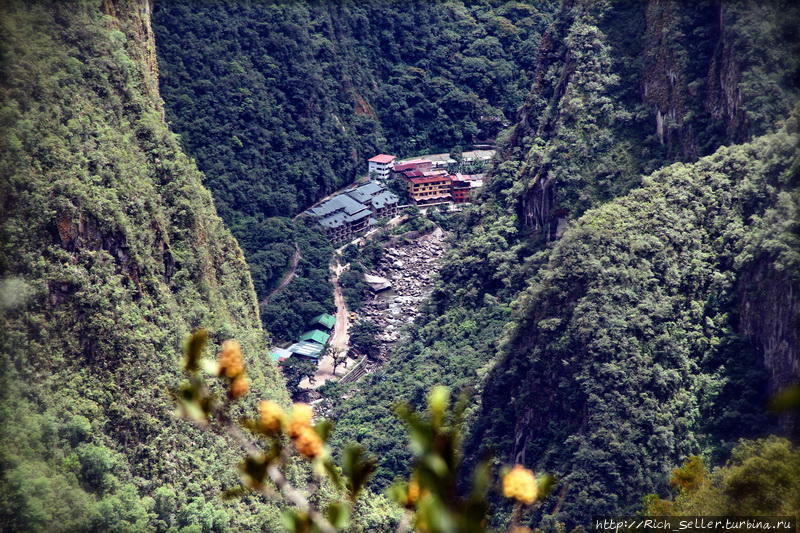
column 413, row 492
column 305, row 438
column 520, row 484
column 298, row 426
column 266, row 461
column 231, row 365
column 271, row 416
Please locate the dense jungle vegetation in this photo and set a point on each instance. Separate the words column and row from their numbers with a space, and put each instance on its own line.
column 282, row 103
column 632, row 341
column 620, row 303
column 112, row 251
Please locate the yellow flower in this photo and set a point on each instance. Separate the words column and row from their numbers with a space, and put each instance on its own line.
column 271, row 415
column 413, row 491
column 231, row 362
column 308, row 442
column 239, row 386
column 520, row 484
column 302, row 413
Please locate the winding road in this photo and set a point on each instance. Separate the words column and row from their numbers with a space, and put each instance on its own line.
column 290, row 274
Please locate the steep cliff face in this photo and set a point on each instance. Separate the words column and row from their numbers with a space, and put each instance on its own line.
column 664, row 84
column 658, row 329
column 112, row 252
column 134, row 19
column 702, row 72
column 769, row 308
column 539, row 119
column 724, row 95
column 768, row 298
column 665, row 318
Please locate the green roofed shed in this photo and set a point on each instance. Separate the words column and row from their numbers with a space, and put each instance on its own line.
column 306, row 349
column 315, row 335
column 325, row 320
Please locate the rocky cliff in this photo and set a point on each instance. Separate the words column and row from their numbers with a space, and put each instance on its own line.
column 679, row 82
column 623, row 357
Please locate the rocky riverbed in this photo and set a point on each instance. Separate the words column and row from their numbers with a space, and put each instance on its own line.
column 410, row 268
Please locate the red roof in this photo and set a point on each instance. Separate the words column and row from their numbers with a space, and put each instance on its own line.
column 381, row 158
column 429, row 179
column 411, row 164
column 412, row 173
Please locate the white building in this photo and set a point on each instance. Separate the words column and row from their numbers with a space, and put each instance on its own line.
column 380, row 165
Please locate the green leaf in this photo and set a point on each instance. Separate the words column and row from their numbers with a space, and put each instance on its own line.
column 787, row 399
column 323, row 429
column 209, row 366
column 191, row 410
column 357, row 467
column 421, row 433
column 194, row 349
column 546, row 485
column 338, row 514
column 333, row 473
column 398, row 493
column 295, row 521
column 438, row 400
column 436, row 464
column 482, row 477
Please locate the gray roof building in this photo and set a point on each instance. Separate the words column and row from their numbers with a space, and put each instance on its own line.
column 333, row 221
column 358, row 216
column 340, row 202
column 355, row 209
column 365, row 192
column 383, row 199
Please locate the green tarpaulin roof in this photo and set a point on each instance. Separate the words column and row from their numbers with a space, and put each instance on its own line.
column 316, row 336
column 325, row 319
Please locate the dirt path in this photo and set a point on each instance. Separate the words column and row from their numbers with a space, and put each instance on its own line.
column 339, row 341
column 286, row 277
column 341, row 334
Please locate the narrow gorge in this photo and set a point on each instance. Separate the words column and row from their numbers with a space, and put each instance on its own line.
column 543, row 258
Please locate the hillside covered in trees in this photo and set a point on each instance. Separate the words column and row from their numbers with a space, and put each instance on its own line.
column 112, row 251
column 282, row 103
column 661, row 322
column 620, row 300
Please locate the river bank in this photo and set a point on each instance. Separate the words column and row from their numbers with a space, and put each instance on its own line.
column 410, row 267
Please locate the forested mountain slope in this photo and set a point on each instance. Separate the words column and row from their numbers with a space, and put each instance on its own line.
column 282, row 103
column 622, row 88
column 629, row 350
column 112, row 252
column 588, row 132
